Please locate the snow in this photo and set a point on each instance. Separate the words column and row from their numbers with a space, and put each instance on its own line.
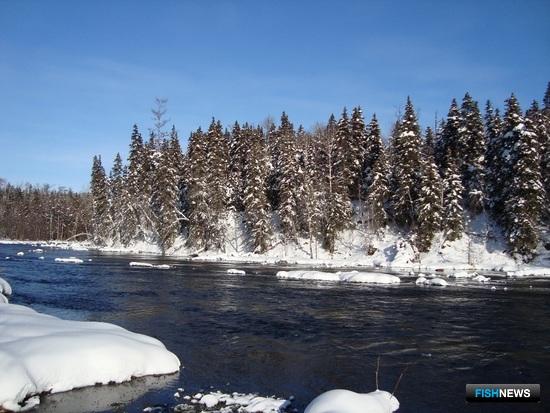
column 249, row 403
column 20, row 253
column 353, row 276
column 40, row 353
column 149, row 265
column 70, row 260
column 461, row 274
column 481, row 279
column 439, row 282
column 38, row 250
column 141, row 264
column 529, row 271
column 3, row 299
column 236, row 271
column 346, row 401
column 5, row 287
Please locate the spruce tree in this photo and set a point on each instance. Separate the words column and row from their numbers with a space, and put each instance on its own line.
column 453, row 215
column 358, row 137
column 255, row 202
column 406, row 147
column 238, row 147
column 99, row 188
column 429, row 143
column 118, row 199
column 165, row 199
column 288, row 184
column 493, row 165
column 429, row 206
column 448, row 146
column 472, row 142
column 199, row 210
column 336, row 205
column 375, row 177
column 526, row 196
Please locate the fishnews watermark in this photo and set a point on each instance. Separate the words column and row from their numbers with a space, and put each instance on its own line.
column 503, row 393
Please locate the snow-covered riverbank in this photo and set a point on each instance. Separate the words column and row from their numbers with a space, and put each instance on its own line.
column 390, row 250
column 44, row 354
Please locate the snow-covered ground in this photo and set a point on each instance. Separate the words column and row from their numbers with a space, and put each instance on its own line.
column 482, row 248
column 40, row 353
column 352, row 276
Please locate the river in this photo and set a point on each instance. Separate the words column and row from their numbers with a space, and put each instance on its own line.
column 256, row 333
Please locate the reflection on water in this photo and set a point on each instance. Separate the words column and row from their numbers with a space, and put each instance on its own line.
column 255, row 333
column 104, row 398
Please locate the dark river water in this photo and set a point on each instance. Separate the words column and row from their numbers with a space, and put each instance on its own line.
column 260, row 334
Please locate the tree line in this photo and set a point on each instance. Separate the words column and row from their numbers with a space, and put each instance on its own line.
column 42, row 213
column 286, row 181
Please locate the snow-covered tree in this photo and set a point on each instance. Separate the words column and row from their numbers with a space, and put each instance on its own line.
column 375, row 177
column 448, row 146
column 118, row 197
column 336, row 203
column 165, row 199
column 406, row 147
column 493, row 164
column 429, row 207
column 525, row 196
column 238, row 148
column 101, row 218
column 256, row 205
column 472, row 140
column 288, row 185
column 453, row 215
column 357, row 140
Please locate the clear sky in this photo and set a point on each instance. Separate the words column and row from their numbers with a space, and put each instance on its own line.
column 75, row 75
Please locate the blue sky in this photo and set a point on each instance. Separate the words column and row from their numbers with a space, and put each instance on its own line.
column 75, row 75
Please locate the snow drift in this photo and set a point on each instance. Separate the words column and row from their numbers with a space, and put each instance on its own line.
column 41, row 353
column 353, row 276
column 346, row 401
column 70, row 260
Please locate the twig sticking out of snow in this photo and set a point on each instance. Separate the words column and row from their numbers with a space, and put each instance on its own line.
column 377, row 369
column 399, row 379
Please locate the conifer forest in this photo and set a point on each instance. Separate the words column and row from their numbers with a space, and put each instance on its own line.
column 278, row 178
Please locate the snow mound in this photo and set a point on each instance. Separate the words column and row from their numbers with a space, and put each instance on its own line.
column 529, row 271
column 5, row 287
column 346, row 401
column 20, row 253
column 245, row 403
column 41, row 353
column 353, row 276
column 70, row 260
column 149, row 265
column 3, row 299
column 440, row 282
column 481, row 279
column 236, row 271
column 38, row 250
column 461, row 274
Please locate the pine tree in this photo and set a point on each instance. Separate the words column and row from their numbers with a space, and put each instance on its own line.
column 448, row 146
column 256, row 205
column 238, row 147
column 199, row 207
column 375, row 177
column 493, row 137
column 336, row 206
column 312, row 191
column 406, row 147
column 118, row 198
column 525, row 196
column 472, row 142
column 429, row 206
column 343, row 142
column 165, row 199
column 453, row 216
column 358, row 137
column 288, row 180
column 429, row 143
column 101, row 219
